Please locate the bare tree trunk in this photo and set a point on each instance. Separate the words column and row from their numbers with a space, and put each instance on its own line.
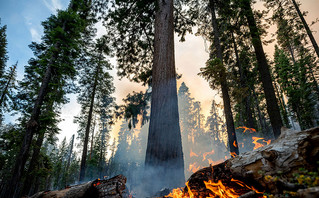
column 261, row 118
column 312, row 39
column 87, row 130
column 232, row 140
column 92, row 137
column 263, row 68
column 69, row 160
column 164, row 154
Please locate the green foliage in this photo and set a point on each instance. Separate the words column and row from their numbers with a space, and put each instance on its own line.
column 214, row 72
column 294, row 81
column 3, row 50
column 10, row 141
column 136, row 104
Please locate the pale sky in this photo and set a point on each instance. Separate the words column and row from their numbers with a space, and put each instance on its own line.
column 23, row 18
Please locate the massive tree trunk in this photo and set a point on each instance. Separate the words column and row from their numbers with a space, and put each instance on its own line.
column 263, row 68
column 267, row 169
column 232, row 140
column 312, row 39
column 164, row 154
column 88, row 126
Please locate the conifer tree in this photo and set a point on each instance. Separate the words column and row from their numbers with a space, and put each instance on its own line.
column 164, row 155
column 309, row 32
column 62, row 33
column 215, row 71
column 96, row 83
column 263, row 68
column 7, row 99
column 3, row 51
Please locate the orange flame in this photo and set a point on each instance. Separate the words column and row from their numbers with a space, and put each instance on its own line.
column 235, row 144
column 220, row 190
column 191, row 195
column 268, row 141
column 178, row 193
column 193, row 167
column 208, row 153
column 217, row 190
column 210, row 161
column 251, row 130
column 192, row 154
column 233, row 154
column 257, row 144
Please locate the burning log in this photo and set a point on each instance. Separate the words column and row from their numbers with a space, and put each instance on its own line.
column 110, row 188
column 268, row 169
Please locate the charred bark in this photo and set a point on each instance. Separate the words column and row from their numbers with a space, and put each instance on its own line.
column 232, row 140
column 111, row 188
column 164, row 154
column 263, row 68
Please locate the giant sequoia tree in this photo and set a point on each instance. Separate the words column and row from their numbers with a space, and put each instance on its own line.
column 164, row 155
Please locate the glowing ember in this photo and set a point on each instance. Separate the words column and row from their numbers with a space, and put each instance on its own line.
column 194, row 167
column 97, row 183
column 244, row 185
column 192, row 154
column 257, row 144
column 208, row 153
column 251, row 130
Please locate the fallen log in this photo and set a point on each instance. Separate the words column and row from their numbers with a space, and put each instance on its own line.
column 268, row 169
column 109, row 188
